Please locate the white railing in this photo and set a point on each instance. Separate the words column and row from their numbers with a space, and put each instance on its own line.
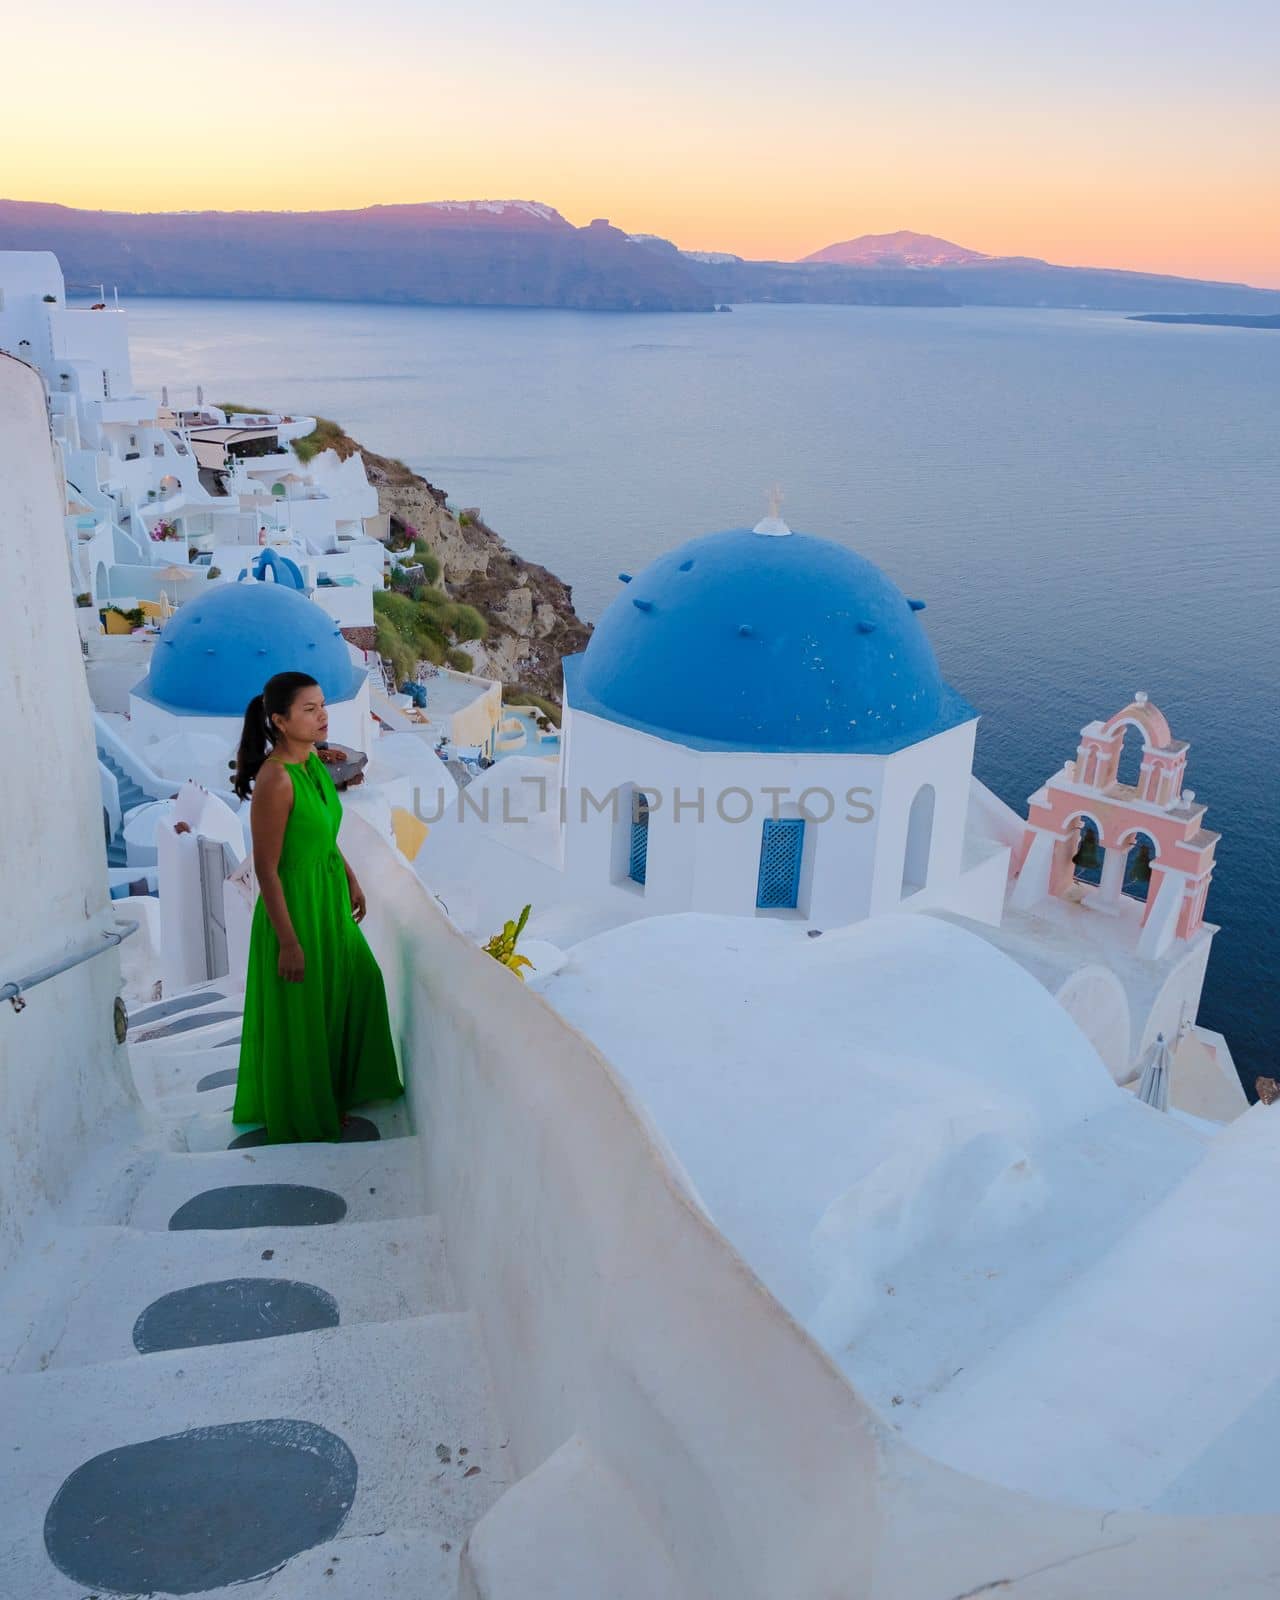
column 14, row 990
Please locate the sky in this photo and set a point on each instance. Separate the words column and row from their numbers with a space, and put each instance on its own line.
column 1142, row 133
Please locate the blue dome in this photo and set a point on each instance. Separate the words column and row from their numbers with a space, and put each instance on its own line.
column 218, row 651
column 749, row 641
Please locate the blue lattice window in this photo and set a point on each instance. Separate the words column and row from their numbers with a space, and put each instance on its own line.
column 638, row 857
column 781, row 851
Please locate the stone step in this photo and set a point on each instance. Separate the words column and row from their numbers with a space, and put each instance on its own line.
column 177, row 1069
column 174, row 1005
column 197, row 1029
column 407, row 1443
column 421, row 1564
column 79, row 1304
column 349, row 1182
column 203, row 1129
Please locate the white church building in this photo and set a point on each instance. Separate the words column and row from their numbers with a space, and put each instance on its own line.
column 759, row 727
column 765, row 716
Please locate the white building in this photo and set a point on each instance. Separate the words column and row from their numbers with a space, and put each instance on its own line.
column 758, row 727
column 158, row 498
column 768, row 713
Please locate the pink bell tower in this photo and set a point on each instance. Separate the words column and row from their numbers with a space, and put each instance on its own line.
column 1147, row 835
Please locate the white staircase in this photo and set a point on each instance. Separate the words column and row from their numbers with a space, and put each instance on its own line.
column 392, row 1371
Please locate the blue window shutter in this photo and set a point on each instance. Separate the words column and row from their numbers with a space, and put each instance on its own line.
column 781, row 851
column 639, row 857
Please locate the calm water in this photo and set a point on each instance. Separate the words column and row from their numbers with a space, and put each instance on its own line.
column 1088, row 505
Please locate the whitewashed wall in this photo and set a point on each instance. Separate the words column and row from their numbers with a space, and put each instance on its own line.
column 61, row 1073
column 673, row 1431
column 709, row 860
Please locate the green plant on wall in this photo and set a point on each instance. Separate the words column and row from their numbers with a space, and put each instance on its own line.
column 502, row 947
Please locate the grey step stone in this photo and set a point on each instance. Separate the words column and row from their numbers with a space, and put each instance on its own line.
column 406, row 1399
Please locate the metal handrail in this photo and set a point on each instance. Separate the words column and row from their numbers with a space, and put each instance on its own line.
column 13, row 992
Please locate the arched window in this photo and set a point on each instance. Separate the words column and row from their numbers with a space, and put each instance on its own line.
column 1137, row 867
column 915, row 860
column 1129, row 766
column 638, row 855
column 1086, row 864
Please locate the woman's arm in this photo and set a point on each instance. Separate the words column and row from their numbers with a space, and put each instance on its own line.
column 358, row 907
column 268, row 818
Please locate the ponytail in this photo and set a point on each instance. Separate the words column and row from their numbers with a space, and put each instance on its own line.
column 258, row 735
column 255, row 741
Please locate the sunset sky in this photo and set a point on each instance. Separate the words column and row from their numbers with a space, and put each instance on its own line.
column 1132, row 134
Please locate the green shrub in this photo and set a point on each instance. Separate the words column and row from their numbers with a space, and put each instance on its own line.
column 392, row 648
column 428, row 559
column 428, row 622
column 397, row 608
column 468, row 623
column 324, row 436
column 460, row 660
column 134, row 616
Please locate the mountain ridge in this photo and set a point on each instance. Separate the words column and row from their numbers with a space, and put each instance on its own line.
column 525, row 253
column 903, row 249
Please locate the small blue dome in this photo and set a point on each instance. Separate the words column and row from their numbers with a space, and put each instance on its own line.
column 218, row 651
column 749, row 641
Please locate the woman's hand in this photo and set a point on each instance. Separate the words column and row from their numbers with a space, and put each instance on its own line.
column 292, row 965
column 358, row 907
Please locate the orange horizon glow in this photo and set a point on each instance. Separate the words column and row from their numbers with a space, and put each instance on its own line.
column 1140, row 141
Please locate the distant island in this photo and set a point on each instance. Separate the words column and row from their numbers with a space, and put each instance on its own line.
column 1210, row 319
column 515, row 253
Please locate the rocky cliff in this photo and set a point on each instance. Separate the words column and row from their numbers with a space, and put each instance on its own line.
column 532, row 623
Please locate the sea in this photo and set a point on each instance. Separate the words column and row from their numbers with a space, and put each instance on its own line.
column 1088, row 505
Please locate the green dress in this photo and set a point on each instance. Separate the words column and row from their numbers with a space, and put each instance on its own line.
column 311, row 1049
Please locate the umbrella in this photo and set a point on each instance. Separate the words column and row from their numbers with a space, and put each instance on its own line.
column 1154, row 1084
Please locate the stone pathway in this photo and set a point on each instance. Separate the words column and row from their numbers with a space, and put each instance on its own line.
column 238, row 1368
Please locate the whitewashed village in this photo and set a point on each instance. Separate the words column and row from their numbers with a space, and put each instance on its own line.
column 847, row 1202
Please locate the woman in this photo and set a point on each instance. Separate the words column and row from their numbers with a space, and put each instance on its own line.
column 316, row 1036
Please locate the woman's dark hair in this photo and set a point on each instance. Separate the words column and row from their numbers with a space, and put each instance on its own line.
column 258, row 736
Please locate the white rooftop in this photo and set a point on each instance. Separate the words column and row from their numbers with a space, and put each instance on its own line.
column 925, row 1160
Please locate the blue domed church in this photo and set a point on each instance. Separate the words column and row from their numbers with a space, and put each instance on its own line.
column 758, row 725
column 216, row 653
